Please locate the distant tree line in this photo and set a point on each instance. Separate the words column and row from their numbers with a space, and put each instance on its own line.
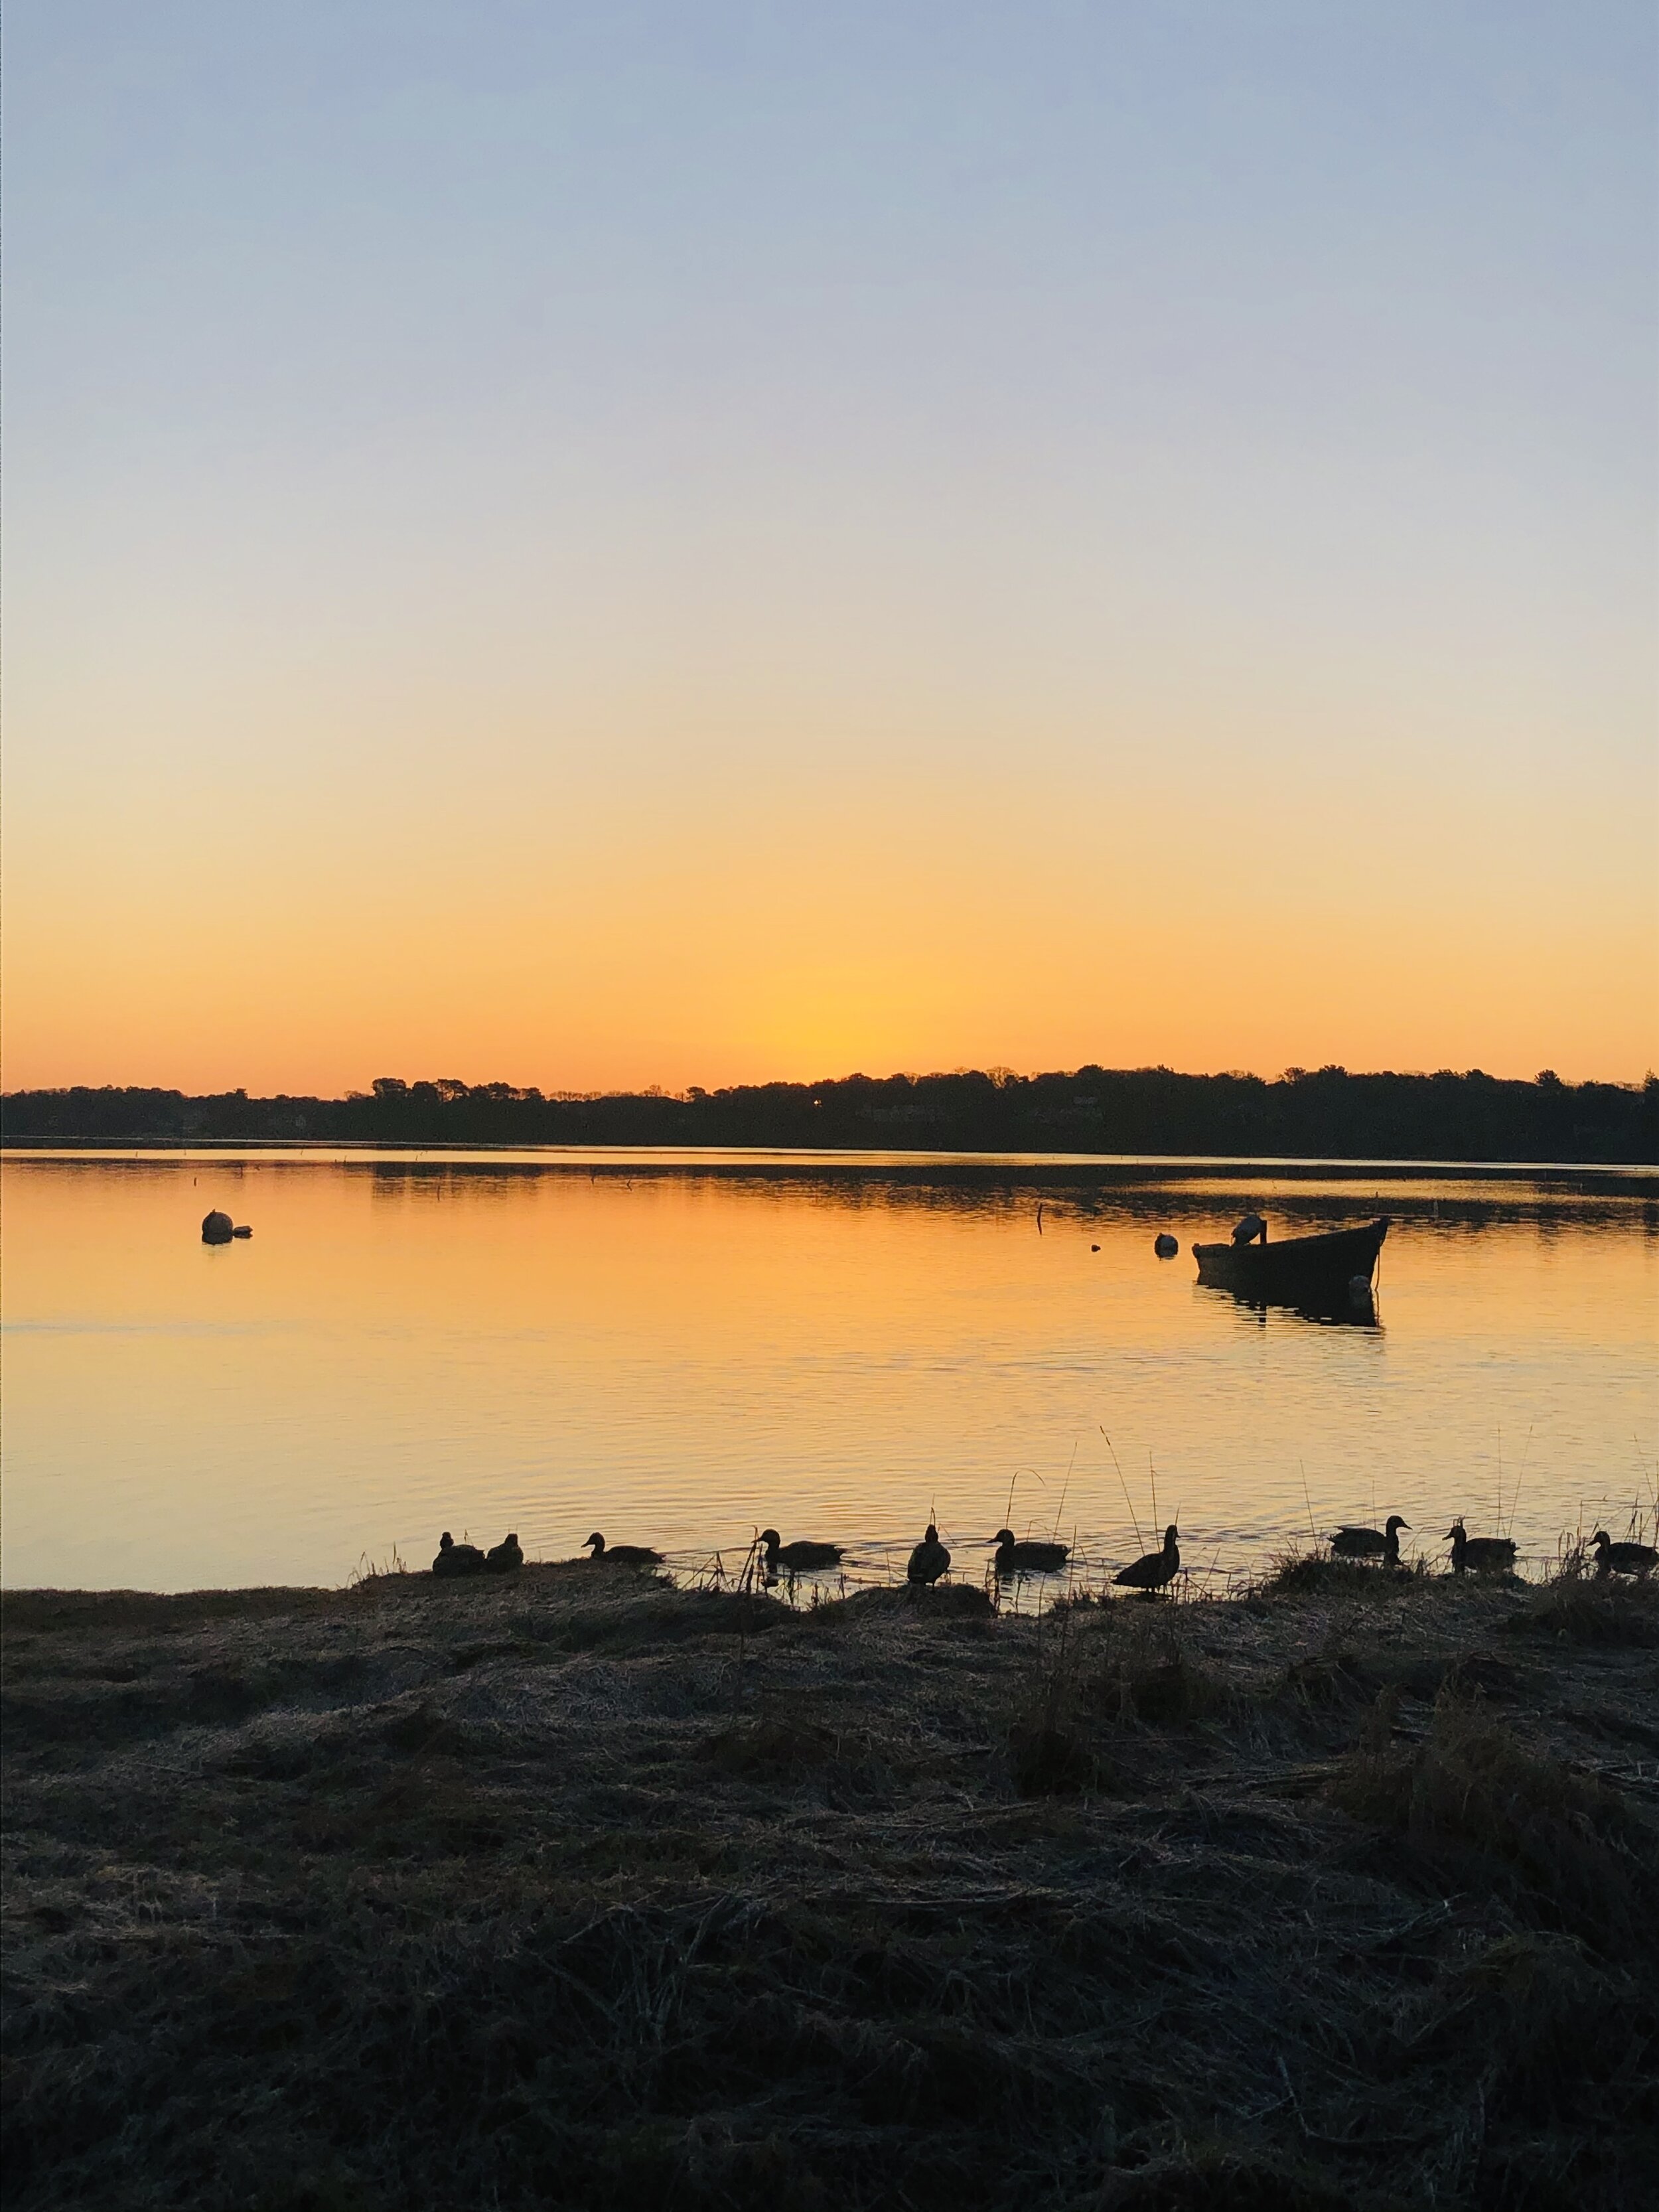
column 1324, row 1113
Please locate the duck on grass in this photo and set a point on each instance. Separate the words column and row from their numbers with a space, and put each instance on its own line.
column 456, row 1560
column 1382, row 1544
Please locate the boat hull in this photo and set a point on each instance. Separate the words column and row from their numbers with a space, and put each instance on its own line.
column 1318, row 1272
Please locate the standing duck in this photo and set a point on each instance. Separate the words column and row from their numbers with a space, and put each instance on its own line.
column 502, row 1559
column 1479, row 1555
column 929, row 1561
column 1611, row 1558
column 1370, row 1543
column 621, row 1555
column 1154, row 1569
column 455, row 1559
column 802, row 1555
column 1031, row 1556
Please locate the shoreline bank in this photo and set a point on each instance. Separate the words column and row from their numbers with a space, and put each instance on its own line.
column 578, row 1888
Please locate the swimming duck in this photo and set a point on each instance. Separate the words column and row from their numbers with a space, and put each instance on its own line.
column 802, row 1553
column 1370, row 1543
column 929, row 1561
column 502, row 1559
column 1030, row 1557
column 1154, row 1569
column 455, row 1559
column 1480, row 1555
column 623, row 1555
column 1613, row 1558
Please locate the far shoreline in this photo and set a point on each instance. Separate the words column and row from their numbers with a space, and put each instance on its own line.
column 1034, row 1166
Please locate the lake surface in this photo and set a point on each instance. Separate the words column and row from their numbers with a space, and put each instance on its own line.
column 680, row 1349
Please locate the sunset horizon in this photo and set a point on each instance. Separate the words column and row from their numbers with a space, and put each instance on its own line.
column 627, row 555
column 828, row 1131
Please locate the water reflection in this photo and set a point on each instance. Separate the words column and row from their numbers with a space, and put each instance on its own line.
column 696, row 1350
column 1354, row 1311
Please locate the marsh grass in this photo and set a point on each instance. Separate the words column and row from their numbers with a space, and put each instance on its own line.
column 1090, row 1681
column 500, row 1898
column 1481, row 1810
column 1581, row 1607
column 1314, row 1573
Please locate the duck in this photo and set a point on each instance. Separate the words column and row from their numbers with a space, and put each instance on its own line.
column 502, row 1559
column 1028, row 1557
column 455, row 1559
column 1154, row 1569
column 1480, row 1555
column 621, row 1555
column 1370, row 1543
column 801, row 1554
column 929, row 1561
column 1613, row 1558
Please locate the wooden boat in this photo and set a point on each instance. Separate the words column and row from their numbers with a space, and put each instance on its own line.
column 1316, row 1272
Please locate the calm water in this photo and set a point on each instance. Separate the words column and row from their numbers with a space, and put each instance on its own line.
column 679, row 1351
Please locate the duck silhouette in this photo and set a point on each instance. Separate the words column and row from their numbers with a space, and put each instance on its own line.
column 1479, row 1555
column 929, row 1561
column 1370, row 1543
column 502, row 1559
column 1027, row 1556
column 621, row 1555
column 1154, row 1569
column 455, row 1559
column 1613, row 1558
column 803, row 1553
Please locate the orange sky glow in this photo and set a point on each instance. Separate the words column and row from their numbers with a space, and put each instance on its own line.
column 543, row 554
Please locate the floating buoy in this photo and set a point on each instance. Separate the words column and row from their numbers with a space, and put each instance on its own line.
column 1165, row 1246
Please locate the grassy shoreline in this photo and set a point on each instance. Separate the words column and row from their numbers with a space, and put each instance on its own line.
column 574, row 1888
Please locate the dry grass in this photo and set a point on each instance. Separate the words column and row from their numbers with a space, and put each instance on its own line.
column 577, row 1890
column 1481, row 1810
column 1316, row 1573
column 1582, row 1607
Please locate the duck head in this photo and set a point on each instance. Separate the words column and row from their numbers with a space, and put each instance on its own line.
column 1394, row 1522
column 1454, row 1534
column 1003, row 1536
column 592, row 1542
column 768, row 1540
column 1169, row 1536
column 445, row 1541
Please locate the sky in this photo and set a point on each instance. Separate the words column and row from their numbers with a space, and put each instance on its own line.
column 592, row 545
